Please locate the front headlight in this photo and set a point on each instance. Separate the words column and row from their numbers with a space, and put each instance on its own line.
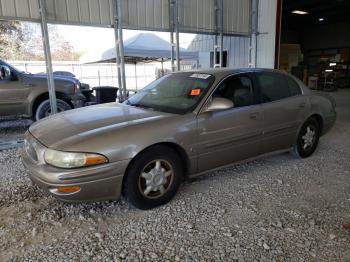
column 72, row 160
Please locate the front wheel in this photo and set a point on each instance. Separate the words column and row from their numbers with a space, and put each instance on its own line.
column 308, row 138
column 44, row 108
column 153, row 178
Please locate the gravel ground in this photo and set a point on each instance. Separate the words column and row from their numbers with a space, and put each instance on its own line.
column 274, row 209
column 13, row 129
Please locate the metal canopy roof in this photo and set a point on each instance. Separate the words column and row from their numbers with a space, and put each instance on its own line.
column 220, row 17
column 195, row 16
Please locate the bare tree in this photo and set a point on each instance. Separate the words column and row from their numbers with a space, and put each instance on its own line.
column 23, row 41
column 11, row 39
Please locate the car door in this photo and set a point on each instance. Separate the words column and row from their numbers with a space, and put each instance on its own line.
column 13, row 94
column 283, row 107
column 233, row 134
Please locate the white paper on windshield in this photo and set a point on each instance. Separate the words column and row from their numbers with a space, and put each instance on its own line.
column 201, row 76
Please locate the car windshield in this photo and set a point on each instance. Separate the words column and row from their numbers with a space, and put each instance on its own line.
column 176, row 93
column 11, row 66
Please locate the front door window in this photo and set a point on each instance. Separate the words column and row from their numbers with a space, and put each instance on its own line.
column 238, row 89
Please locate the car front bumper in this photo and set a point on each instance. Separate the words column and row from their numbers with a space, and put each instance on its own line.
column 97, row 183
column 78, row 100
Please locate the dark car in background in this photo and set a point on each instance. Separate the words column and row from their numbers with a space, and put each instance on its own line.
column 24, row 94
column 64, row 74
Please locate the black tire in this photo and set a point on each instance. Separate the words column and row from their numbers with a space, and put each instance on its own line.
column 305, row 149
column 44, row 108
column 135, row 185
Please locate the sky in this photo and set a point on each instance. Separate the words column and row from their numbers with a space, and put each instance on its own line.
column 93, row 41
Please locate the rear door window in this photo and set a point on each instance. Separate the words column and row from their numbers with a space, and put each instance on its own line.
column 294, row 87
column 273, row 87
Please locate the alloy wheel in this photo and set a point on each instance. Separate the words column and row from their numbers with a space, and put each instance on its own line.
column 59, row 110
column 156, row 178
column 309, row 138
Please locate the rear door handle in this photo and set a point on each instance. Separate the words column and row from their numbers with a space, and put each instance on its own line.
column 302, row 105
column 254, row 115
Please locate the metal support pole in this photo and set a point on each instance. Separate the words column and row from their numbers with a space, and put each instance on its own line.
column 177, row 35
column 218, row 18
column 216, row 8
column 118, row 32
column 117, row 53
column 48, row 60
column 99, row 75
column 121, row 47
column 278, row 34
column 136, row 75
column 177, row 51
column 162, row 66
column 253, row 52
column 172, row 53
column 221, row 33
column 171, row 26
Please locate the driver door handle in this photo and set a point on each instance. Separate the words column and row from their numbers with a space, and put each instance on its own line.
column 254, row 115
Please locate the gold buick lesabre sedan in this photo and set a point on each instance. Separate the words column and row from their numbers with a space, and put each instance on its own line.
column 179, row 126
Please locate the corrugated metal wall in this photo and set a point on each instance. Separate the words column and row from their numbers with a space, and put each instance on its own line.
column 237, row 48
column 267, row 33
column 84, row 12
column 194, row 15
column 146, row 14
column 237, row 16
column 199, row 16
column 19, row 8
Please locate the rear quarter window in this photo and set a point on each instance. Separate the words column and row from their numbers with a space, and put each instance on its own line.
column 293, row 86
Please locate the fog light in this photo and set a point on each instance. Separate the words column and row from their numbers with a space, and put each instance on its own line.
column 68, row 189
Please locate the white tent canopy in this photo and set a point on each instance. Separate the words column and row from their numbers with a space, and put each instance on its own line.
column 147, row 47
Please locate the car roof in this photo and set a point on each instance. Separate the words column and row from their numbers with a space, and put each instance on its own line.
column 222, row 72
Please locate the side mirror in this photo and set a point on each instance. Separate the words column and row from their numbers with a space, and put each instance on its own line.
column 5, row 73
column 218, row 103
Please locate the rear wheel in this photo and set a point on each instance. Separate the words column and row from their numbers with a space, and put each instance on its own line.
column 44, row 108
column 153, row 178
column 308, row 137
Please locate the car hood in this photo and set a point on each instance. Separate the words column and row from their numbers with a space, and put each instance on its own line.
column 73, row 125
column 44, row 77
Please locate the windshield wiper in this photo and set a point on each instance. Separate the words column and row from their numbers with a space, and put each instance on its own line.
column 140, row 105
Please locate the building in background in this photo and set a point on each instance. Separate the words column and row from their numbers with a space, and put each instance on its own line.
column 238, row 50
column 235, row 51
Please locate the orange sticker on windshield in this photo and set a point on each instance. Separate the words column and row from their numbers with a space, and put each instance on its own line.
column 195, row 92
